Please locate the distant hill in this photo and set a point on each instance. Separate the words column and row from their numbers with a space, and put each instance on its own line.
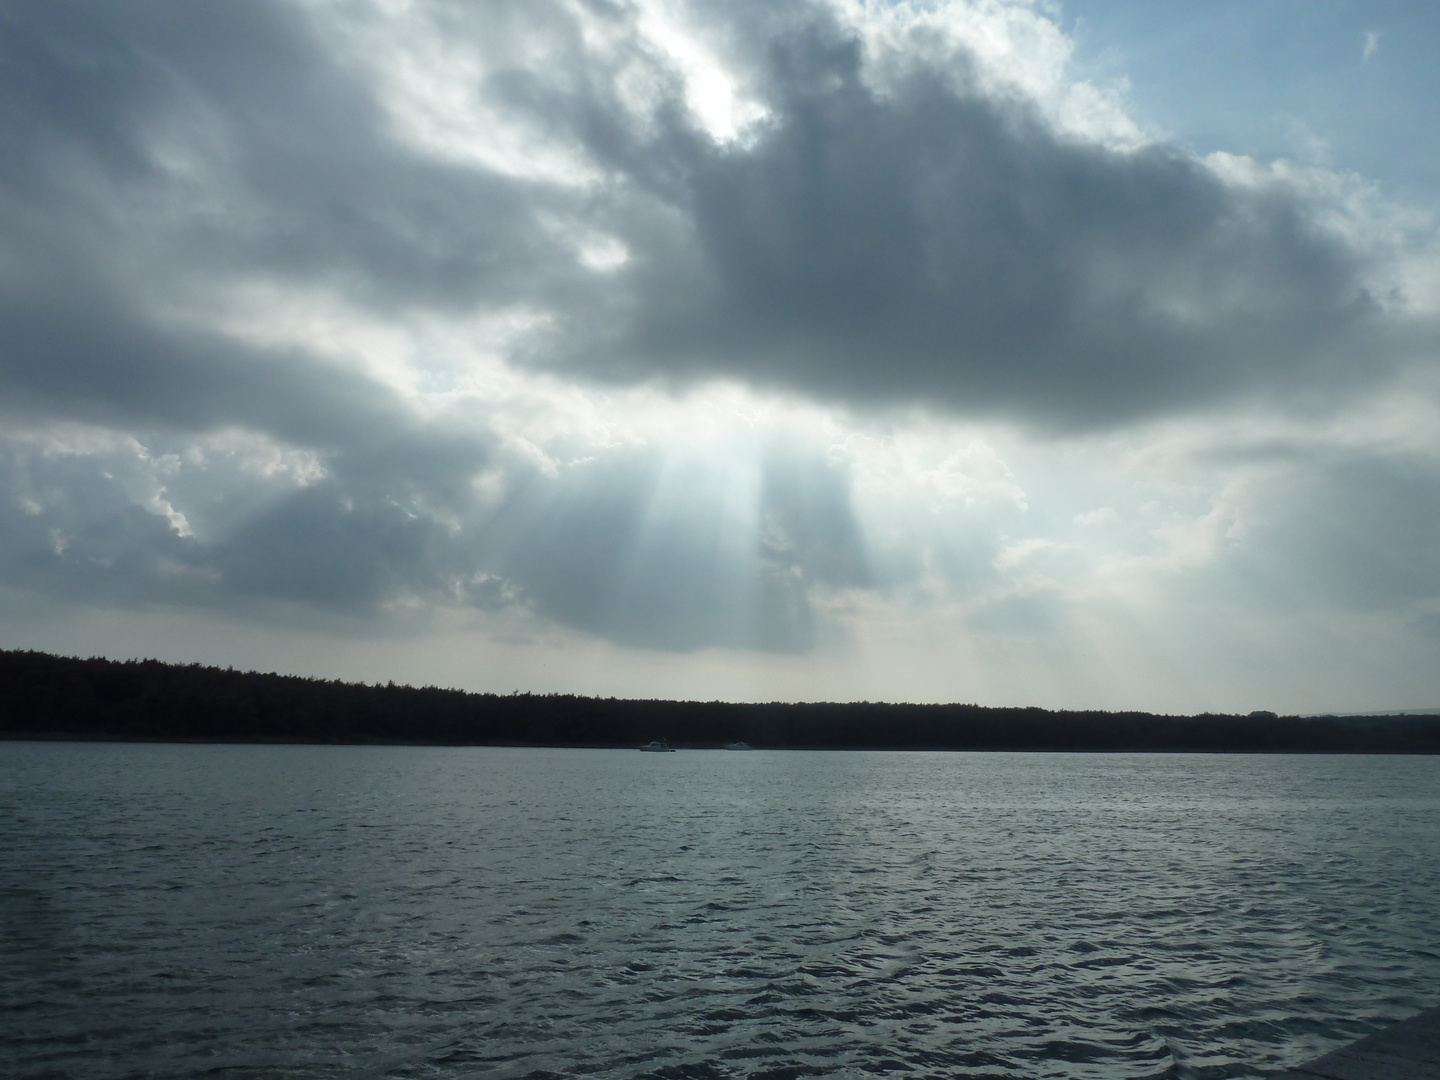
column 49, row 697
column 1383, row 712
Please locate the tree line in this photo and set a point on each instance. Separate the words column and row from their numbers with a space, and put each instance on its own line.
column 46, row 696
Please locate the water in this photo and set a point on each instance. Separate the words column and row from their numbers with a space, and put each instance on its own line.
column 257, row 911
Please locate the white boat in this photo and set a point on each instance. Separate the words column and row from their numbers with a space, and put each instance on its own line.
column 742, row 745
column 658, row 746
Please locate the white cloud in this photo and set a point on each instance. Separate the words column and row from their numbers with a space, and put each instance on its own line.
column 726, row 112
column 1012, row 48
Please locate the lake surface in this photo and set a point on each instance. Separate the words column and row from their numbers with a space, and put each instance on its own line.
column 259, row 911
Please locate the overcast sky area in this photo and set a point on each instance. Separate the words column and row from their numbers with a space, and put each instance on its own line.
column 1079, row 354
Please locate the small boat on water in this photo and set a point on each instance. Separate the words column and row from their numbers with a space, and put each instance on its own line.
column 742, row 745
column 656, row 746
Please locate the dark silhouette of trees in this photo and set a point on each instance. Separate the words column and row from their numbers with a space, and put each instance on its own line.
column 45, row 696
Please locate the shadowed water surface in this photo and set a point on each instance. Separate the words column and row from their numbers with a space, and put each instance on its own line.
column 254, row 911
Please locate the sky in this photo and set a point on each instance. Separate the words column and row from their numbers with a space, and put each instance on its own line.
column 1076, row 354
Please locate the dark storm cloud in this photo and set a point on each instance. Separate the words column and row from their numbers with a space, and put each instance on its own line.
column 84, row 357
column 233, row 133
column 921, row 242
column 924, row 244
column 98, row 234
column 283, row 172
column 937, row 243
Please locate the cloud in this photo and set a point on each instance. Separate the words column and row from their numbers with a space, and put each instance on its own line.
column 907, row 226
column 1372, row 46
column 687, row 326
column 661, row 550
column 1357, row 531
column 898, row 223
column 919, row 241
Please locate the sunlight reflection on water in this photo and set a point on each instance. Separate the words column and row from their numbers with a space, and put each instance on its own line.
column 424, row 912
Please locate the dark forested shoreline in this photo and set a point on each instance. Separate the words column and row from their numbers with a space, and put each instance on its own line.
column 44, row 696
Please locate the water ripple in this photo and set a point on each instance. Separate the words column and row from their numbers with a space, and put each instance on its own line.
column 179, row 911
